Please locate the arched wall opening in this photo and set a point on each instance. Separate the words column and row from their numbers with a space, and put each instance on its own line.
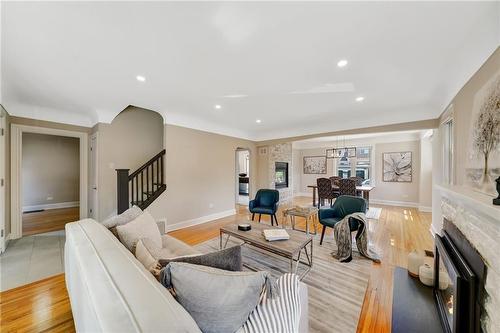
column 133, row 137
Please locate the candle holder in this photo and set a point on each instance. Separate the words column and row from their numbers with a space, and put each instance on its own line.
column 496, row 201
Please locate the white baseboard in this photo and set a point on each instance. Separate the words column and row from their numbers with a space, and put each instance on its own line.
column 52, row 206
column 394, row 203
column 303, row 194
column 425, row 209
column 199, row 220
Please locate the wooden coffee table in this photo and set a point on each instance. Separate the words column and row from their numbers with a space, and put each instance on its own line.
column 290, row 249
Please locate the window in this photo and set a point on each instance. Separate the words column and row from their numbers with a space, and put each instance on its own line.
column 363, row 163
column 448, row 152
column 359, row 166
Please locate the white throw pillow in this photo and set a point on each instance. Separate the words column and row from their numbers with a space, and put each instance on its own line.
column 144, row 226
column 144, row 256
column 124, row 218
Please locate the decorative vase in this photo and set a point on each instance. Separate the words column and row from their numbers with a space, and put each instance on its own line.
column 415, row 260
column 426, row 275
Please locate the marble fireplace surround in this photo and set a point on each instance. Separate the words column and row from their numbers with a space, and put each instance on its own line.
column 479, row 221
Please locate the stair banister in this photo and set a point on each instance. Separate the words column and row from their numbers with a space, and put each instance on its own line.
column 142, row 186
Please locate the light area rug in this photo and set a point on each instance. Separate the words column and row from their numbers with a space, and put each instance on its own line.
column 373, row 213
column 336, row 290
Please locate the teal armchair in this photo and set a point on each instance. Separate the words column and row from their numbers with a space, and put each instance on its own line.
column 343, row 206
column 265, row 202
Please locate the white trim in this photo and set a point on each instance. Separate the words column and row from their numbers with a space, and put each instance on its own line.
column 433, row 231
column 425, row 209
column 199, row 220
column 394, row 203
column 58, row 205
column 16, row 160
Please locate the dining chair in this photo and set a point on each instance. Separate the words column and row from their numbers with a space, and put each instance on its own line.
column 347, row 186
column 325, row 191
column 359, row 182
column 343, row 206
column 335, row 184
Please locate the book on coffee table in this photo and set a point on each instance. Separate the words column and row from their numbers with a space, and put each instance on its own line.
column 275, row 234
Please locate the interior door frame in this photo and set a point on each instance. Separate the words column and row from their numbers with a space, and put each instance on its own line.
column 236, row 162
column 94, row 168
column 3, row 177
column 17, row 131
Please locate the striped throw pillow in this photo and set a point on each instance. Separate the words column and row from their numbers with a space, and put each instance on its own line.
column 279, row 314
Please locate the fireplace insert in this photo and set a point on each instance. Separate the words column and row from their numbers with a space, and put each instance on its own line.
column 459, row 299
column 281, row 175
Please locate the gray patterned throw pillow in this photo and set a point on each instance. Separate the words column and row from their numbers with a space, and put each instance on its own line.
column 219, row 301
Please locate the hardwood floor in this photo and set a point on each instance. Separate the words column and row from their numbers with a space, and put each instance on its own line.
column 49, row 220
column 44, row 305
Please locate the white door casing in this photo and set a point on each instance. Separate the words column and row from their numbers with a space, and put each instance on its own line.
column 3, row 235
column 16, row 163
column 93, row 199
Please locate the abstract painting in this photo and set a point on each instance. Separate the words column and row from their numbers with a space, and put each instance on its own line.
column 397, row 167
column 314, row 164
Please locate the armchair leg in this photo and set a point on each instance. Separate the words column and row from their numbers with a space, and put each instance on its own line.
column 322, row 235
column 276, row 219
column 259, row 217
column 272, row 220
column 253, row 215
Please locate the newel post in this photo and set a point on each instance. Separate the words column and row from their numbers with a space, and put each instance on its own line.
column 122, row 190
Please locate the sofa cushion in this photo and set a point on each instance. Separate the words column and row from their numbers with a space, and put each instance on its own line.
column 123, row 218
column 144, row 226
column 219, row 301
column 263, row 210
column 269, row 315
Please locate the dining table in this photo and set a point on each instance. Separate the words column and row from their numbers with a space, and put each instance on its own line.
column 364, row 189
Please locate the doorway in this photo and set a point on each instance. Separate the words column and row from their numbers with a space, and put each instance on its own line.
column 51, row 206
column 50, row 180
column 242, row 176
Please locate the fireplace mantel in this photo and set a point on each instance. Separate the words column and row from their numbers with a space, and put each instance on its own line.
column 479, row 220
column 472, row 200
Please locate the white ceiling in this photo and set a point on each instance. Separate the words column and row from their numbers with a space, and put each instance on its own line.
column 77, row 62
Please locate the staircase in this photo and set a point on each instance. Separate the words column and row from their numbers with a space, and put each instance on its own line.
column 142, row 186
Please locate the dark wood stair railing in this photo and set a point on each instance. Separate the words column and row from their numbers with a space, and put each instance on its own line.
column 141, row 187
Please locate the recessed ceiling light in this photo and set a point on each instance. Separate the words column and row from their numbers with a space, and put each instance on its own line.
column 342, row 63
column 360, row 99
column 140, row 78
column 217, row 106
column 258, row 121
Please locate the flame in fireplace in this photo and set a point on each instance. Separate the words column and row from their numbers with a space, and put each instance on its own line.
column 449, row 304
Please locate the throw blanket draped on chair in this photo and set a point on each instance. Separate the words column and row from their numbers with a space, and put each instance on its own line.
column 343, row 238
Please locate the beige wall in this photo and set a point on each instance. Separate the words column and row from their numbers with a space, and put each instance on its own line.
column 384, row 191
column 462, row 113
column 50, row 169
column 200, row 174
column 399, row 192
column 134, row 136
column 462, row 105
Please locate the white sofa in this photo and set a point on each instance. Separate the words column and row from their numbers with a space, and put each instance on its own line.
column 111, row 291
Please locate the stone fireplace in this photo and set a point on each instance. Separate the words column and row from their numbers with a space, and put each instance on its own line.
column 479, row 222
